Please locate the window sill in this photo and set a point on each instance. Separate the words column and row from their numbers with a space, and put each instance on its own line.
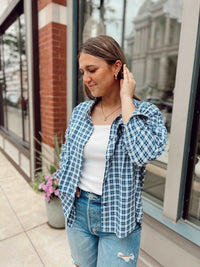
column 184, row 228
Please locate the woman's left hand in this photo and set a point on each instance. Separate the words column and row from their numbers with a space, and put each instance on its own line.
column 128, row 84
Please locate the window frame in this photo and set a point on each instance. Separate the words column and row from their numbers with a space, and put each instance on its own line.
column 183, row 87
column 171, row 213
column 32, row 50
column 12, row 14
column 4, row 121
column 30, row 10
column 192, row 130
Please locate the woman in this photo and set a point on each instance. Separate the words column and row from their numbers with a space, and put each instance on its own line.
column 109, row 141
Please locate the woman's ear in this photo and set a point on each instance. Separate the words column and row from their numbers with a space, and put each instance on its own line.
column 118, row 65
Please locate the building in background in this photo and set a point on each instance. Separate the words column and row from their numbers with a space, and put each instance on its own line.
column 40, row 84
column 153, row 47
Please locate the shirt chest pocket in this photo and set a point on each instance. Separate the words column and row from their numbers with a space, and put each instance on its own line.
column 120, row 145
column 117, row 148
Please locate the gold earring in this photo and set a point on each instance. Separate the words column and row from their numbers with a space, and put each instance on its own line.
column 115, row 76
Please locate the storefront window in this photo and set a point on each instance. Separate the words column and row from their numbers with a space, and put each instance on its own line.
column 194, row 201
column 14, row 83
column 148, row 31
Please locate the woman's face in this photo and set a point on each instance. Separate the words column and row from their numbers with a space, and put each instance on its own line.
column 98, row 76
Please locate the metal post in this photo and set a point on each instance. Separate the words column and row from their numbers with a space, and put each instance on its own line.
column 21, row 84
column 123, row 24
column 75, row 50
column 1, row 87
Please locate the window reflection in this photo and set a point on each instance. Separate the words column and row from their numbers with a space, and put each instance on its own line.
column 194, row 206
column 149, row 32
column 153, row 51
column 14, row 80
column 12, row 110
column 24, row 77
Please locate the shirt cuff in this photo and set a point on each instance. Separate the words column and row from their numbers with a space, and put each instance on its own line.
column 139, row 114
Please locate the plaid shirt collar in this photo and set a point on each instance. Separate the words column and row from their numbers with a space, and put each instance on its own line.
column 119, row 118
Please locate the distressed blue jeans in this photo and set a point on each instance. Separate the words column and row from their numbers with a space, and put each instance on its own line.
column 90, row 247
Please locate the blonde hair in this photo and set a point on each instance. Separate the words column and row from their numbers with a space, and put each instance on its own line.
column 106, row 48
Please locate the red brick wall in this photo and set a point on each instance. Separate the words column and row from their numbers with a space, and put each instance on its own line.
column 43, row 3
column 52, row 46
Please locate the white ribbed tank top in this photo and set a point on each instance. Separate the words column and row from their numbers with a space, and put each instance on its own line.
column 94, row 156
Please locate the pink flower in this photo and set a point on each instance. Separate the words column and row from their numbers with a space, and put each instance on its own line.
column 49, row 187
column 48, row 193
column 57, row 193
column 41, row 185
column 52, row 189
column 44, row 187
column 56, row 182
column 47, row 198
column 47, row 176
column 49, row 183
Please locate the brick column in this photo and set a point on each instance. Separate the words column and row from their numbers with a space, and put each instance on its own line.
column 52, row 46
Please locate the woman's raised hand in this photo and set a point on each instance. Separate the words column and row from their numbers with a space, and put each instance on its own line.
column 127, row 90
column 128, row 84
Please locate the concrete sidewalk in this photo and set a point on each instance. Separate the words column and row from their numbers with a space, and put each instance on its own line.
column 25, row 237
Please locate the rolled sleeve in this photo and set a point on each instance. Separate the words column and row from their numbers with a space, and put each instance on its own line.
column 144, row 135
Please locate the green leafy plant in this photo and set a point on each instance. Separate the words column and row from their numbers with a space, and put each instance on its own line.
column 39, row 178
column 44, row 180
column 43, row 160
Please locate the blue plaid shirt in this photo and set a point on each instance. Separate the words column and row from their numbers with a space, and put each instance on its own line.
column 131, row 146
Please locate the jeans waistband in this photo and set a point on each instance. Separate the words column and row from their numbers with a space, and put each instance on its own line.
column 89, row 195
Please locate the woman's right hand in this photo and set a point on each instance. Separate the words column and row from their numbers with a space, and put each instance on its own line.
column 128, row 84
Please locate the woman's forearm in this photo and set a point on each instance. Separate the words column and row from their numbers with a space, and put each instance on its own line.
column 127, row 108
